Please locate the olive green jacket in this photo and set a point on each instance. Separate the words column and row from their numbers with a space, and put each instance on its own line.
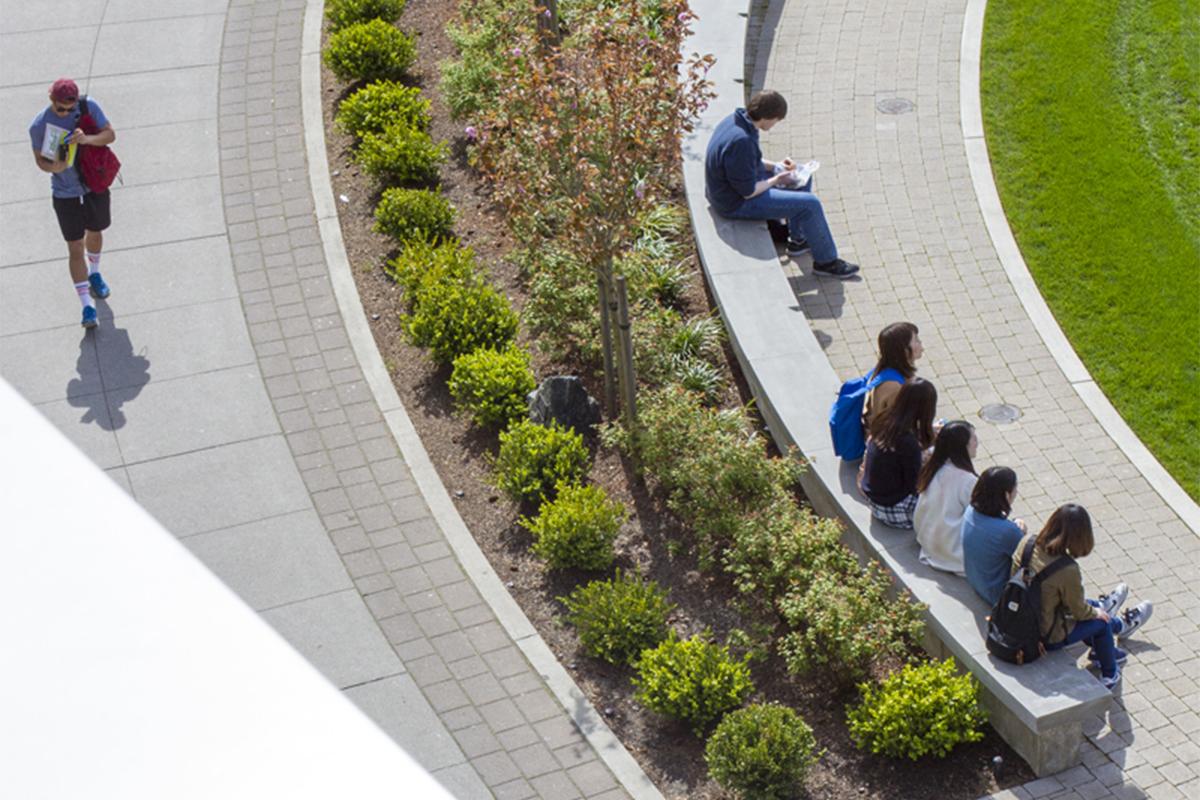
column 1063, row 602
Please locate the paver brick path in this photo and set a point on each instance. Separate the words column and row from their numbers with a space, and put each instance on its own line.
column 222, row 392
column 900, row 201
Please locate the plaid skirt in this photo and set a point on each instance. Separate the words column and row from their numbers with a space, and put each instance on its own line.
column 899, row 515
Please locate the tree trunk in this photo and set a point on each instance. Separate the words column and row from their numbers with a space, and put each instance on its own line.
column 606, row 343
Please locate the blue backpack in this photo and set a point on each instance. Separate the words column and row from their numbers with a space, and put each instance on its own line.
column 845, row 418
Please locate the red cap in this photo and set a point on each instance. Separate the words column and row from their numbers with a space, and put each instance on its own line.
column 64, row 90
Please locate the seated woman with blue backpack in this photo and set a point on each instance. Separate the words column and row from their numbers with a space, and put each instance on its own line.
column 861, row 400
column 895, row 452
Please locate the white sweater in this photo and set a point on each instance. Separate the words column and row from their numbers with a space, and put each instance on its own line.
column 939, row 517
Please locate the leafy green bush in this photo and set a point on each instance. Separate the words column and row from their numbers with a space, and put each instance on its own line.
column 369, row 51
column 691, row 680
column 406, row 214
column 536, row 459
column 924, row 709
column 619, row 618
column 492, row 385
column 400, row 154
column 577, row 528
column 453, row 319
column 846, row 622
column 377, row 106
column 480, row 33
column 342, row 13
column 424, row 263
column 761, row 752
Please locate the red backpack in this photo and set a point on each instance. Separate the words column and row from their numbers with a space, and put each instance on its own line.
column 98, row 165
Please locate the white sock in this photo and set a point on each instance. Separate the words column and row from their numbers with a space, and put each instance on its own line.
column 84, row 290
column 93, row 262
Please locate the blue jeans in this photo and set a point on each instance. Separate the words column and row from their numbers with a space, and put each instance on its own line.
column 1098, row 635
column 801, row 208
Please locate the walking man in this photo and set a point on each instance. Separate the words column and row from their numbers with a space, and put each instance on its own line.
column 741, row 184
column 82, row 214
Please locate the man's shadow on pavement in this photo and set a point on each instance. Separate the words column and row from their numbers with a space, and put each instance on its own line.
column 115, row 364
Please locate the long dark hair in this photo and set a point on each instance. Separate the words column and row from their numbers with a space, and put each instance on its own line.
column 893, row 349
column 1068, row 531
column 951, row 445
column 990, row 495
column 911, row 412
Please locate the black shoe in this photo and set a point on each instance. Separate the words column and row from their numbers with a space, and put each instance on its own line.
column 836, row 269
column 797, row 247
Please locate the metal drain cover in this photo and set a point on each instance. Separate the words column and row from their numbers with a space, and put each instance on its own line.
column 894, row 105
column 1000, row 413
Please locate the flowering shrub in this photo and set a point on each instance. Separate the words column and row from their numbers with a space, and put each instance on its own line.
column 406, row 214
column 377, row 106
column 619, row 618
column 691, row 680
column 924, row 709
column 577, row 528
column 761, row 752
column 369, row 51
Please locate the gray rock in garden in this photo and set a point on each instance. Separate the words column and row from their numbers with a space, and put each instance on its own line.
column 564, row 399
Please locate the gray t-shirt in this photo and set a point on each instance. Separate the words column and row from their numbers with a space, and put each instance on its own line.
column 67, row 182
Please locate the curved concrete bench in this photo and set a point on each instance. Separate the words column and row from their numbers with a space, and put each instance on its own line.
column 1039, row 708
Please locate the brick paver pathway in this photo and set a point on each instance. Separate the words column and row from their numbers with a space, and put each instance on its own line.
column 900, row 201
column 222, row 391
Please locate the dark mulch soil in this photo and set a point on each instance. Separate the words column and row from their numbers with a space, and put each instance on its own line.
column 669, row 753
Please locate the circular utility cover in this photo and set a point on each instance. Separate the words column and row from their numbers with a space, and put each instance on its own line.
column 1000, row 413
column 894, row 105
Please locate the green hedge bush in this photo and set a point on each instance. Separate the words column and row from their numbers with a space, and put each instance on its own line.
column 400, row 154
column 492, row 385
column 380, row 105
column 577, row 528
column 424, row 263
column 406, row 214
column 369, row 51
column 342, row 13
column 536, row 459
column 452, row 319
column 691, row 680
column 619, row 618
column 761, row 752
column 846, row 622
column 923, row 710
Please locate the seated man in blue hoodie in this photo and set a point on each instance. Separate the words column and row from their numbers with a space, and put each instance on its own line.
column 741, row 184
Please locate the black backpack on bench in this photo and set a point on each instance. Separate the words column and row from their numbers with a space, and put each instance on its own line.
column 1014, row 631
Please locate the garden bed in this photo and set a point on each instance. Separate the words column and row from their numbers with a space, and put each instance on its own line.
column 705, row 601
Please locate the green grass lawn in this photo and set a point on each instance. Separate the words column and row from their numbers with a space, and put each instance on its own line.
column 1092, row 115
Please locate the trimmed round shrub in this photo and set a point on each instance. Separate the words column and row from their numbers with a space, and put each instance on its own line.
column 400, row 154
column 536, row 459
column 342, row 13
column 369, row 51
column 577, row 528
column 691, row 680
column 761, row 752
column 425, row 263
column 377, row 106
column 619, row 618
column 924, row 709
column 452, row 319
column 406, row 214
column 492, row 385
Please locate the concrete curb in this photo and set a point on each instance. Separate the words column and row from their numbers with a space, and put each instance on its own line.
column 1023, row 284
column 623, row 766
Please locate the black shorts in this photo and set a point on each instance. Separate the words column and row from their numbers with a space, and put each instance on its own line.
column 79, row 214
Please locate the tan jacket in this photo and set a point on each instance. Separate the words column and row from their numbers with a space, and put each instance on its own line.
column 1063, row 601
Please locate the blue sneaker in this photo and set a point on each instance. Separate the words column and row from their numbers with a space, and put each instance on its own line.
column 100, row 289
column 89, row 317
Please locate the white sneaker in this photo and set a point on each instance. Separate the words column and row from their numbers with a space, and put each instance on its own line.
column 1111, row 683
column 1135, row 617
column 1111, row 603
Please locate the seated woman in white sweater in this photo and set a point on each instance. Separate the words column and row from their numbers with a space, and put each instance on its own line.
column 943, row 494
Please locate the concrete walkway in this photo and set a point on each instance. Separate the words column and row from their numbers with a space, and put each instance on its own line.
column 224, row 393
column 899, row 195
